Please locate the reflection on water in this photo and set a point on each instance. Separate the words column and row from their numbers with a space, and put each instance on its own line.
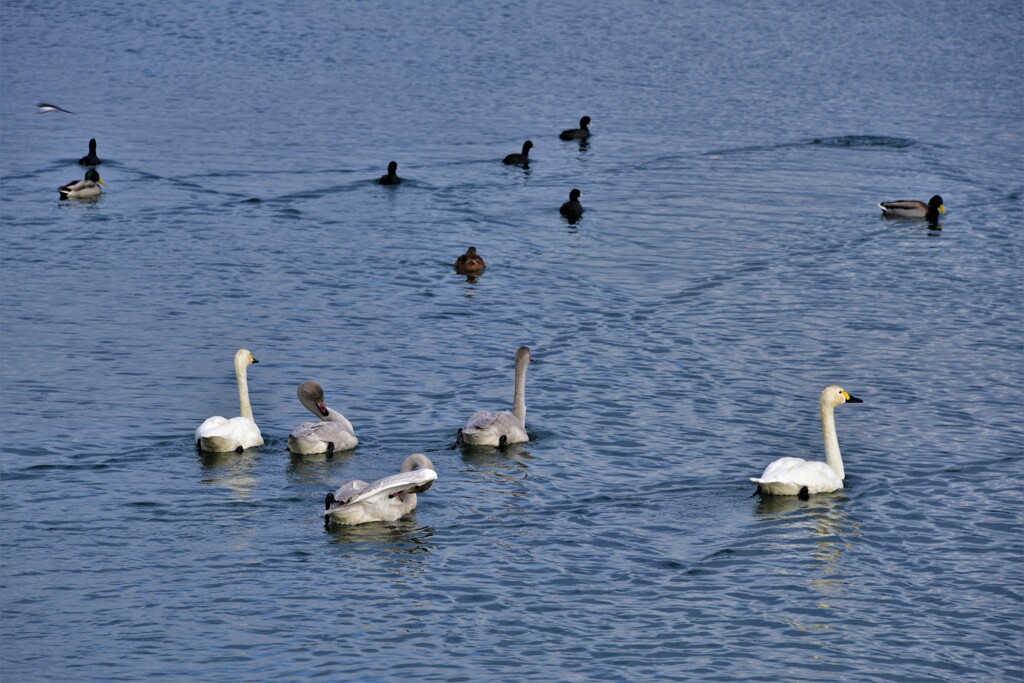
column 499, row 472
column 823, row 520
column 780, row 505
column 516, row 455
column 315, row 468
column 235, row 471
column 403, row 536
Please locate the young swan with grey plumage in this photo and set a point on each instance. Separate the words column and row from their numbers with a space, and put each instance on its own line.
column 799, row 477
column 385, row 500
column 501, row 429
column 332, row 433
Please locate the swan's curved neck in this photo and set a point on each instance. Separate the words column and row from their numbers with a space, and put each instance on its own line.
column 335, row 416
column 519, row 399
column 833, row 457
column 243, row 391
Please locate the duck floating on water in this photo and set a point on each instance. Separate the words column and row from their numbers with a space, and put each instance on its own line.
column 521, row 159
column 581, row 133
column 470, row 262
column 391, row 178
column 91, row 159
column 912, row 208
column 83, row 189
column 572, row 209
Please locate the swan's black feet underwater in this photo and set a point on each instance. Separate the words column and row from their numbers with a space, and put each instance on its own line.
column 757, row 492
column 330, row 449
column 199, row 445
column 804, row 494
column 458, row 440
column 239, row 449
column 328, row 501
column 502, row 441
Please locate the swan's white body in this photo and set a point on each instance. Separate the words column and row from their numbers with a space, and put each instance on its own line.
column 790, row 476
column 221, row 435
column 332, row 433
column 385, row 500
column 487, row 429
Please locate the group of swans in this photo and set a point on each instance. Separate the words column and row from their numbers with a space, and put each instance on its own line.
column 356, row 501
column 392, row 497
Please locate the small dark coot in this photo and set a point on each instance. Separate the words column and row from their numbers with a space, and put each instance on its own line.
column 572, row 209
column 519, row 159
column 581, row 133
column 392, row 177
column 91, row 159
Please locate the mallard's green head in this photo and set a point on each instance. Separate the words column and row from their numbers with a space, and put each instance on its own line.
column 93, row 175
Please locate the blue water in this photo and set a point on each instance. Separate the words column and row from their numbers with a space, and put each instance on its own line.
column 730, row 264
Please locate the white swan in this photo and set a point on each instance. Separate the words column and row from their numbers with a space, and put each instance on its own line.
column 220, row 435
column 333, row 433
column 500, row 429
column 385, row 500
column 799, row 477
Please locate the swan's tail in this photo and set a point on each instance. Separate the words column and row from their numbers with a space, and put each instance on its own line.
column 774, row 487
column 218, row 444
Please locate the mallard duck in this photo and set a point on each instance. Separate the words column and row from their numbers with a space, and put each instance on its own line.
column 501, row 429
column 392, row 177
column 581, row 133
column 522, row 159
column 799, row 477
column 470, row 262
column 91, row 159
column 83, row 189
column 912, row 208
column 572, row 209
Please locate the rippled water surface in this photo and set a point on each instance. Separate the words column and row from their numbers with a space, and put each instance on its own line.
column 730, row 264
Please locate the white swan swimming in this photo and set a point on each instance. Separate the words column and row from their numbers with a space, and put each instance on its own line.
column 799, row 477
column 220, row 435
column 499, row 429
column 385, row 500
column 332, row 433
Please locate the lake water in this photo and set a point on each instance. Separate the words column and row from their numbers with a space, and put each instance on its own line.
column 730, row 264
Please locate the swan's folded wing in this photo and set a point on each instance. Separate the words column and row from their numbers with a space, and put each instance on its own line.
column 331, row 431
column 303, row 430
column 238, row 428
column 780, row 470
column 349, row 489
column 209, row 426
column 481, row 420
column 385, row 487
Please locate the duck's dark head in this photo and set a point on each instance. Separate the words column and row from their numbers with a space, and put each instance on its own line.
column 527, row 146
column 575, row 195
column 936, row 204
column 392, row 168
column 584, row 122
column 94, row 175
